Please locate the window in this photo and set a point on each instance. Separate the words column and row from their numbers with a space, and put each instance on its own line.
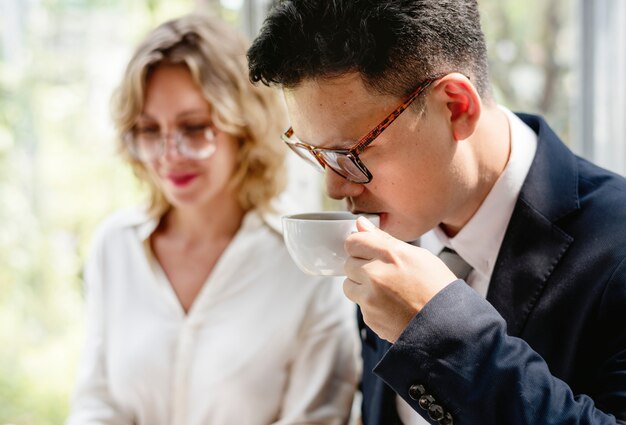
column 600, row 106
column 59, row 176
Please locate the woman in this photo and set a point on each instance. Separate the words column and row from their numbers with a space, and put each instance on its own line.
column 197, row 313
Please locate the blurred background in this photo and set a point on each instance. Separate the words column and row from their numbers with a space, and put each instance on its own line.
column 59, row 176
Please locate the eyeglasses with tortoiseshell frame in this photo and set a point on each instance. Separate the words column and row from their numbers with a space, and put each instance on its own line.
column 346, row 162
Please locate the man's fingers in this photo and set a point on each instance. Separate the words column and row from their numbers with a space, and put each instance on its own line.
column 354, row 269
column 364, row 225
column 369, row 243
column 353, row 290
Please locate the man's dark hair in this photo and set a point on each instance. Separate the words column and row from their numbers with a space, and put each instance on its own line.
column 393, row 44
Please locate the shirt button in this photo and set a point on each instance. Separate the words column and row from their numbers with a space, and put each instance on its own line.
column 446, row 420
column 363, row 334
column 416, row 391
column 435, row 412
column 426, row 400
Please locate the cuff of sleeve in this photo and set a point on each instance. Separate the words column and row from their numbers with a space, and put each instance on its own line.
column 437, row 347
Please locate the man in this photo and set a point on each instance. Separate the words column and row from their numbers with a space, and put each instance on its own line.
column 392, row 99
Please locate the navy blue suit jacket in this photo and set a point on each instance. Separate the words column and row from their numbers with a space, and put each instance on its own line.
column 548, row 346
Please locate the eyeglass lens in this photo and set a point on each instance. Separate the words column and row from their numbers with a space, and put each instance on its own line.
column 193, row 144
column 344, row 165
column 307, row 155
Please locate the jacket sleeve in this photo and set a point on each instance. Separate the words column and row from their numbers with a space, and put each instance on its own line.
column 92, row 403
column 323, row 371
column 456, row 363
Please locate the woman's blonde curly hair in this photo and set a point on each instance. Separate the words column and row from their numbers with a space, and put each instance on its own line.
column 254, row 114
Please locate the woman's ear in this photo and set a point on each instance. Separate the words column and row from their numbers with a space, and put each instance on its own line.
column 462, row 103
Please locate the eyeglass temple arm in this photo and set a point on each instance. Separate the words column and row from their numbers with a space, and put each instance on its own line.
column 369, row 137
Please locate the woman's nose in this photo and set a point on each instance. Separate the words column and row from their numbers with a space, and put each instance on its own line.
column 170, row 147
column 338, row 187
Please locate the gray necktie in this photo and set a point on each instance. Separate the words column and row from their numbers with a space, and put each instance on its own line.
column 455, row 263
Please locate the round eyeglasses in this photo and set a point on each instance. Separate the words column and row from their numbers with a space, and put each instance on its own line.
column 193, row 142
column 346, row 162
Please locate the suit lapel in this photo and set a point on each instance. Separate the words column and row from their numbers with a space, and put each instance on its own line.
column 533, row 243
column 531, row 249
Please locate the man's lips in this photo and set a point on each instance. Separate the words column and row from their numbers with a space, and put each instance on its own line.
column 181, row 179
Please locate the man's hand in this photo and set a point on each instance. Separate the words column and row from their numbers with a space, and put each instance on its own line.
column 389, row 279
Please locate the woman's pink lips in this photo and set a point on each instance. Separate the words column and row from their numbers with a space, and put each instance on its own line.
column 181, row 179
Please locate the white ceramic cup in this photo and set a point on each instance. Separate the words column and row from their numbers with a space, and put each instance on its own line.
column 315, row 241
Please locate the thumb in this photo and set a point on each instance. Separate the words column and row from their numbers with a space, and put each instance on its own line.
column 364, row 225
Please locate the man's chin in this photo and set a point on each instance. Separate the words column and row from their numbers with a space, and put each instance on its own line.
column 400, row 233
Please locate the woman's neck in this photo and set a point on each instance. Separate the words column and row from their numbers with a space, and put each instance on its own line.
column 201, row 223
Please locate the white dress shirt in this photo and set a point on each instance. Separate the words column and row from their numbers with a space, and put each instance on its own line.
column 478, row 242
column 262, row 343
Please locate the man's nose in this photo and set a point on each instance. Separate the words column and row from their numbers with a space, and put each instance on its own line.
column 338, row 187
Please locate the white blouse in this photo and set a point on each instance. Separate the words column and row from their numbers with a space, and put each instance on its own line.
column 263, row 343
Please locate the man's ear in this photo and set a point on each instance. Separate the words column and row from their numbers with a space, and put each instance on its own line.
column 462, row 103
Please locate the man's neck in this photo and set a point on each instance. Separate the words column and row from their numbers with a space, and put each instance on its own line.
column 490, row 147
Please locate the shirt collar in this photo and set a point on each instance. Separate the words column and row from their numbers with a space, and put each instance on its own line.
column 479, row 240
column 145, row 228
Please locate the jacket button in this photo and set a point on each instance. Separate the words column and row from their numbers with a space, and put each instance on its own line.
column 425, row 401
column 446, row 420
column 435, row 412
column 416, row 391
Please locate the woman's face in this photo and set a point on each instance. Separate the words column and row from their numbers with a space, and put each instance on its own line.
column 175, row 104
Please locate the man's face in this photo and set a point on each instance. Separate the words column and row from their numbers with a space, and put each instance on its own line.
column 412, row 161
